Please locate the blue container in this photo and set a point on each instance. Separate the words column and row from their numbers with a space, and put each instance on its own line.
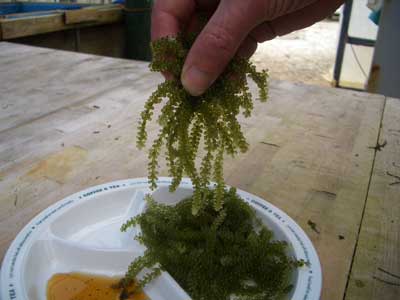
column 24, row 7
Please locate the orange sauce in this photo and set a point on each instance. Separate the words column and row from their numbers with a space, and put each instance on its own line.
column 78, row 286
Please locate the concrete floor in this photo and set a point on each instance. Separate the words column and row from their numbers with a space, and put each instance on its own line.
column 306, row 55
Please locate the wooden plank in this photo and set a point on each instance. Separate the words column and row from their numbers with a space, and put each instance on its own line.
column 43, row 80
column 14, row 28
column 309, row 148
column 30, row 14
column 376, row 268
column 81, row 15
column 309, row 156
column 90, row 13
column 110, row 15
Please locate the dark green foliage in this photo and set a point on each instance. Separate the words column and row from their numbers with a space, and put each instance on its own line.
column 215, row 253
column 188, row 122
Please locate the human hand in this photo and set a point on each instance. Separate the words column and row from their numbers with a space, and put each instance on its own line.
column 234, row 27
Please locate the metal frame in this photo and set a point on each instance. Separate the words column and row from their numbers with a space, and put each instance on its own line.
column 384, row 77
column 344, row 39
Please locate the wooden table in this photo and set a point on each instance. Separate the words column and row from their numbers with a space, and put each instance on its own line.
column 327, row 157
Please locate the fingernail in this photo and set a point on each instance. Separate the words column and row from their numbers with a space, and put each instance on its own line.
column 195, row 81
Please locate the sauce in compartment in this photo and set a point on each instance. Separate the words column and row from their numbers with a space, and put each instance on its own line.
column 79, row 286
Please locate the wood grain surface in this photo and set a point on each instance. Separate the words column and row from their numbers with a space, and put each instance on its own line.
column 376, row 268
column 68, row 121
column 19, row 27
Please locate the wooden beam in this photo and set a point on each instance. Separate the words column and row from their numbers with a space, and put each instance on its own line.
column 376, row 269
column 15, row 28
column 81, row 15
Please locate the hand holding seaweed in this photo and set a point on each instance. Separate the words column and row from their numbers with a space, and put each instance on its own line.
column 187, row 122
column 211, row 243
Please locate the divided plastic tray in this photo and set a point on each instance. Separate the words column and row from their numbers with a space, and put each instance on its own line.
column 81, row 233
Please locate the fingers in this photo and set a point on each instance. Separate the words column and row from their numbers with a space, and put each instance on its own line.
column 247, row 48
column 263, row 32
column 283, row 25
column 235, row 27
column 305, row 17
column 217, row 44
column 296, row 20
column 207, row 5
column 276, row 8
column 169, row 16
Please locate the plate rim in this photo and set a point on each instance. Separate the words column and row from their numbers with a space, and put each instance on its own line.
column 12, row 261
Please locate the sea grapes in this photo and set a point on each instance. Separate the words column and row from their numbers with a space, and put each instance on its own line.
column 188, row 123
column 212, row 255
column 211, row 243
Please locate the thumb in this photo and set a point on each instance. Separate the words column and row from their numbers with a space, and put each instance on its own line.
column 217, row 44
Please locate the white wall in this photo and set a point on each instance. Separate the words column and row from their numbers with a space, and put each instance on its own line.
column 362, row 27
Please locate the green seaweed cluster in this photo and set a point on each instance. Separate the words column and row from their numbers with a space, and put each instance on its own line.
column 212, row 255
column 188, row 123
column 211, row 243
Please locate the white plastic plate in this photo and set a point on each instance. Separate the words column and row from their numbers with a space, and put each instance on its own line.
column 81, row 233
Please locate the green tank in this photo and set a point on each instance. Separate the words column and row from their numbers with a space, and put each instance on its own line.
column 138, row 27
